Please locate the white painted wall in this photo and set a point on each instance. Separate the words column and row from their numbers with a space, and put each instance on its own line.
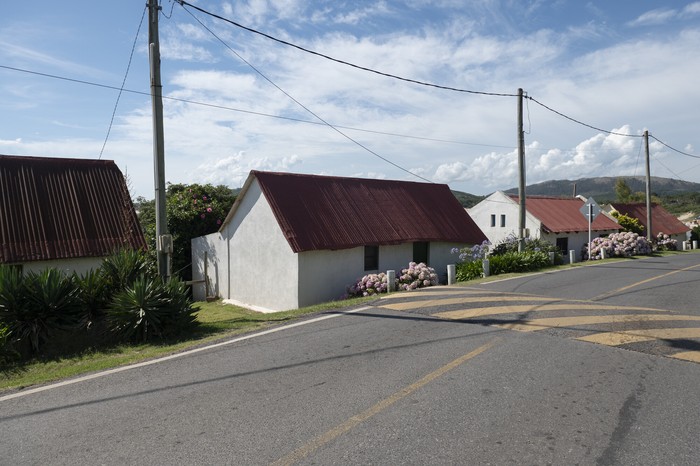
column 217, row 266
column 499, row 204
column 68, row 266
column 325, row 275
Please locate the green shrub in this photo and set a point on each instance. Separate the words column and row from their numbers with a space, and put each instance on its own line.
column 42, row 303
column 7, row 351
column 124, row 267
column 469, row 270
column 150, row 309
column 93, row 296
column 514, row 262
column 510, row 244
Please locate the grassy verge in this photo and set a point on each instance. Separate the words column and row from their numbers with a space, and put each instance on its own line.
column 218, row 321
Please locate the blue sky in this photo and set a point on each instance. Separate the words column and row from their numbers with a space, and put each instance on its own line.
column 622, row 66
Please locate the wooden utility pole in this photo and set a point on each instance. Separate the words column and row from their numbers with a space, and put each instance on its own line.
column 521, row 170
column 163, row 240
column 648, row 186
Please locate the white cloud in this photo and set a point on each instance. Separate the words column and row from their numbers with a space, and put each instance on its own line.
column 653, row 17
column 691, row 9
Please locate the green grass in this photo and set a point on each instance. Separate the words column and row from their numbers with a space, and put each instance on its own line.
column 218, row 321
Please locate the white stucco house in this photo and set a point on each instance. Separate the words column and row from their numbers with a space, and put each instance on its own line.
column 556, row 220
column 293, row 240
column 62, row 213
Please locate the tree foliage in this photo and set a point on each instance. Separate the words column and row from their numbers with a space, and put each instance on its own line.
column 191, row 211
column 628, row 223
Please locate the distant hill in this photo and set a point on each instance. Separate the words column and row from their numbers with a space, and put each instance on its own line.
column 603, row 188
column 467, row 200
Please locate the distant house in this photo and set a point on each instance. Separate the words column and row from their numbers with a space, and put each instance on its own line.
column 63, row 213
column 662, row 221
column 556, row 220
column 294, row 240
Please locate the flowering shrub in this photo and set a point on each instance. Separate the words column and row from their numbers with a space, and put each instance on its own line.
column 417, row 276
column 474, row 253
column 510, row 244
column 369, row 285
column 625, row 244
column 666, row 243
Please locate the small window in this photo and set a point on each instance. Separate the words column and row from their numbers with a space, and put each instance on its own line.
column 493, row 220
column 420, row 252
column 563, row 245
column 371, row 258
column 503, row 220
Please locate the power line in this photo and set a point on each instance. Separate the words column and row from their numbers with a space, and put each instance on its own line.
column 673, row 149
column 252, row 112
column 305, row 107
column 580, row 122
column 343, row 62
column 121, row 89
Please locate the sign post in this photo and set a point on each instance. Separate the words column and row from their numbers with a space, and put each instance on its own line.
column 590, row 209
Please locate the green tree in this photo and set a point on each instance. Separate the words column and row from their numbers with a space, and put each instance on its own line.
column 628, row 223
column 191, row 211
column 622, row 190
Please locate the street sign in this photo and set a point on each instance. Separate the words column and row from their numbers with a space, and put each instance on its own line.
column 590, row 207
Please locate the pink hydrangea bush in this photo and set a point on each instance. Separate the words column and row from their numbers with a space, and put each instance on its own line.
column 417, row 276
column 666, row 243
column 624, row 244
column 369, row 285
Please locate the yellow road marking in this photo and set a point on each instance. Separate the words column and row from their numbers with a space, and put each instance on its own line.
column 303, row 451
column 463, row 300
column 693, row 356
column 497, row 310
column 435, row 293
column 642, row 282
column 554, row 322
column 633, row 336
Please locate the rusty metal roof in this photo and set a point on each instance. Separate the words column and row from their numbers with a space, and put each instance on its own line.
column 662, row 221
column 562, row 215
column 327, row 212
column 56, row 208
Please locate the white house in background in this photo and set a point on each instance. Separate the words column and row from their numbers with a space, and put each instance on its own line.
column 63, row 213
column 556, row 220
column 293, row 240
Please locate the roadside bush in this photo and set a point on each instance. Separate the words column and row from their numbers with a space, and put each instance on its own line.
column 510, row 244
column 125, row 266
column 666, row 243
column 515, row 262
column 469, row 270
column 417, row 276
column 93, row 295
column 624, row 244
column 7, row 352
column 37, row 305
column 369, row 285
column 149, row 309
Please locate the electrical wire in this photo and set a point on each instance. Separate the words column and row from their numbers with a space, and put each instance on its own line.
column 183, row 3
column 354, row 141
column 580, row 122
column 252, row 112
column 121, row 89
column 673, row 149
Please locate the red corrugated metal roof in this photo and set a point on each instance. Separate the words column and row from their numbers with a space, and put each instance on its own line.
column 327, row 212
column 563, row 215
column 661, row 219
column 55, row 208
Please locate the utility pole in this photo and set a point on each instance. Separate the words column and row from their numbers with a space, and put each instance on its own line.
column 648, row 186
column 521, row 169
column 163, row 240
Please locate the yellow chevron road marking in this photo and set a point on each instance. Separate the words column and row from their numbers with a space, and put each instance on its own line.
column 693, row 356
column 462, row 300
column 434, row 293
column 555, row 322
column 634, row 336
column 516, row 309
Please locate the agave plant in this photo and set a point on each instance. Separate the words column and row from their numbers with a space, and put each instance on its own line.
column 36, row 305
column 93, row 296
column 124, row 267
column 150, row 308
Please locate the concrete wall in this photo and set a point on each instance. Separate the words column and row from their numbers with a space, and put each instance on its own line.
column 68, row 266
column 499, row 204
column 217, row 266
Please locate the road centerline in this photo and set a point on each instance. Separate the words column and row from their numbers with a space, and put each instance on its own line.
column 328, row 436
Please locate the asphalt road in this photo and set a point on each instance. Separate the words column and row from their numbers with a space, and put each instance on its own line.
column 560, row 368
